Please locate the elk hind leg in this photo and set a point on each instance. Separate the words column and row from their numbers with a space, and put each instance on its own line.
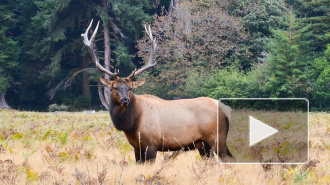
column 223, row 152
column 221, row 146
column 150, row 155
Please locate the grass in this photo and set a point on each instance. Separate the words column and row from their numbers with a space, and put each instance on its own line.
column 77, row 148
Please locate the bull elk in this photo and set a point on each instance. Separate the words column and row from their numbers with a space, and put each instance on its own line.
column 152, row 124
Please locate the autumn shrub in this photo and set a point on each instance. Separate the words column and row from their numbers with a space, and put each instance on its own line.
column 194, row 37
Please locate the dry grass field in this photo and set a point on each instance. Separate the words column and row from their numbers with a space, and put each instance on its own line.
column 78, row 148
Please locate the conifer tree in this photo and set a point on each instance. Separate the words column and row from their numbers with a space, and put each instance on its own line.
column 314, row 14
column 259, row 17
column 321, row 84
column 287, row 63
column 54, row 51
column 9, row 50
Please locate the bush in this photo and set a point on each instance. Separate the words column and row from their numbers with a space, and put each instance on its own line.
column 54, row 107
column 228, row 83
column 195, row 81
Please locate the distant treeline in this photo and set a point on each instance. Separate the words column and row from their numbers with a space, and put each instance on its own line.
column 219, row 49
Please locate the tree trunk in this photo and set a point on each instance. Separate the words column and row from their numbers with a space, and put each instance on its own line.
column 85, row 81
column 107, row 51
column 103, row 101
column 3, row 103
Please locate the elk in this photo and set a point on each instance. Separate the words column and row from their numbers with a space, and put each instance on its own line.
column 152, row 124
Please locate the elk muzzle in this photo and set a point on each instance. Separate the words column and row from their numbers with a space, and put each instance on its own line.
column 124, row 101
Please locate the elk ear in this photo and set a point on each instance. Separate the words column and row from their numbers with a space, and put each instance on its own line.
column 138, row 83
column 106, row 82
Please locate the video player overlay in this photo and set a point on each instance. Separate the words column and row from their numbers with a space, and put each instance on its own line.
column 267, row 130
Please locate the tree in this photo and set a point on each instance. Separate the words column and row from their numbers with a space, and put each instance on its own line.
column 131, row 15
column 321, row 84
column 194, row 37
column 54, row 52
column 46, row 36
column 314, row 14
column 288, row 65
column 9, row 50
column 259, row 18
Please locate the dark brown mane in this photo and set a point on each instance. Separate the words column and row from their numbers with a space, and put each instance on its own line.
column 127, row 118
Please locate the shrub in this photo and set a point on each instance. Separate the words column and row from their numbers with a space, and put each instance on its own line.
column 227, row 83
column 54, row 107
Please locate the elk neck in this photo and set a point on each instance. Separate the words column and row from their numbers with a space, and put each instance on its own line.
column 125, row 118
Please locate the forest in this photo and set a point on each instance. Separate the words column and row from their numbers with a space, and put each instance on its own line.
column 213, row 48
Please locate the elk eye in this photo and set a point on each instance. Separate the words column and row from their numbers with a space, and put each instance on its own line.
column 115, row 88
column 130, row 88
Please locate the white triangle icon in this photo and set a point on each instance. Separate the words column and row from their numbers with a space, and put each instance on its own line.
column 259, row 131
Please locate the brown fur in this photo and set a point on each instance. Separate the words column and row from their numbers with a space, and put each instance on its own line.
column 168, row 124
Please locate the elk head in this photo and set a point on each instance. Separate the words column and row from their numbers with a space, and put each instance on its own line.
column 121, row 86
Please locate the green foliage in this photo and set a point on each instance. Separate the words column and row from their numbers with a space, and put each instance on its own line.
column 4, row 83
column 123, row 146
column 17, row 136
column 76, row 103
column 194, row 84
column 54, row 107
column 259, row 17
column 122, row 56
column 89, row 153
column 230, row 82
column 9, row 48
column 287, row 64
column 321, row 85
column 31, row 175
column 49, row 34
column 64, row 136
column 132, row 14
column 300, row 177
column 247, row 48
column 46, row 30
column 314, row 14
column 287, row 72
column 63, row 156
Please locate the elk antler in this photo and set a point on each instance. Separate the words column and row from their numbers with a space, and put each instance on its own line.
column 90, row 44
column 151, row 58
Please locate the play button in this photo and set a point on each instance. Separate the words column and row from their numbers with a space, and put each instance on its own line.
column 259, row 131
column 266, row 130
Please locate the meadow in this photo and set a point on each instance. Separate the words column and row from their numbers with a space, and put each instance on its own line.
column 78, row 148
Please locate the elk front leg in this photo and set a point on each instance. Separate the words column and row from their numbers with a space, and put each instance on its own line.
column 138, row 155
